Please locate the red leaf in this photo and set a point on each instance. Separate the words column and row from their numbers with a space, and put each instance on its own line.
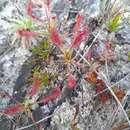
column 120, row 94
column 107, row 45
column 54, row 94
column 14, row 109
column 78, row 23
column 26, row 33
column 71, row 81
column 80, row 37
column 47, row 2
column 100, row 87
column 55, row 37
column 91, row 77
column 35, row 88
column 103, row 98
column 89, row 54
column 29, row 9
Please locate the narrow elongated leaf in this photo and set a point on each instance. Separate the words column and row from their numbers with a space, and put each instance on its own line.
column 128, row 55
column 71, row 81
column 107, row 45
column 54, row 94
column 35, row 88
column 45, row 79
column 47, row 2
column 29, row 9
column 80, row 37
column 89, row 54
column 55, row 37
column 14, row 109
column 78, row 23
column 114, row 23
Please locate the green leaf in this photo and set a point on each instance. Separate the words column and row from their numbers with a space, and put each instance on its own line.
column 45, row 79
column 43, row 50
column 29, row 23
column 128, row 55
column 36, row 72
column 114, row 23
column 42, row 76
column 24, row 24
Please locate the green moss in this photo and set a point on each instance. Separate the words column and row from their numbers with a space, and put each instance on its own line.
column 43, row 50
column 45, row 79
column 43, row 76
column 129, row 56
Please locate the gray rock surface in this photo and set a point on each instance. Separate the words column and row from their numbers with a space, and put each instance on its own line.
column 11, row 64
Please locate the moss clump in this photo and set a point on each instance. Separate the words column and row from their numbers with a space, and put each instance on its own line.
column 43, row 50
